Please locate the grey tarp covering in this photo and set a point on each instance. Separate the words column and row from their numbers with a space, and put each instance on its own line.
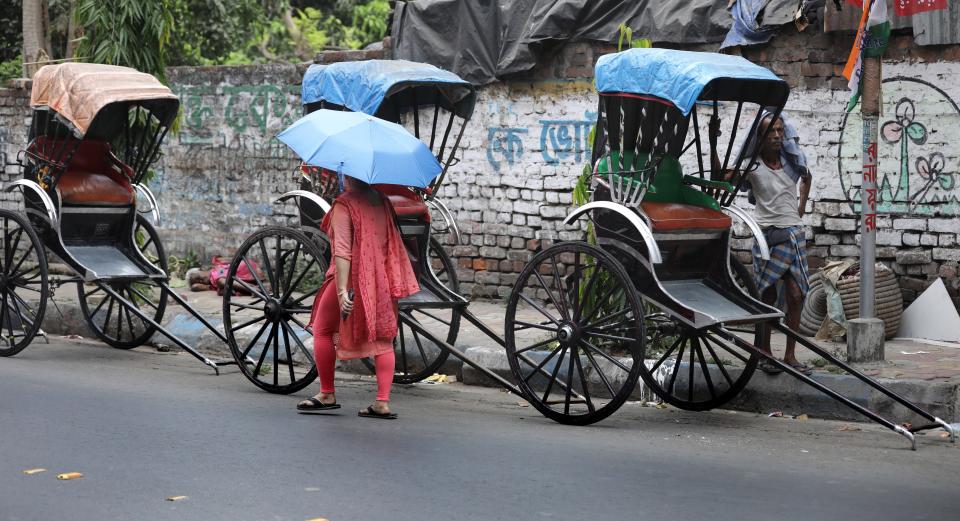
column 482, row 40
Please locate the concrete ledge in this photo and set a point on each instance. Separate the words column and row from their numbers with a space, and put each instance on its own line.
column 763, row 394
column 782, row 392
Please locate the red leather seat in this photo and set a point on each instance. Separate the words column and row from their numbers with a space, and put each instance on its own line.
column 405, row 201
column 94, row 176
column 667, row 217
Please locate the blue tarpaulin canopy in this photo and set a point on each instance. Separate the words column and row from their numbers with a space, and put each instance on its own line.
column 680, row 76
column 362, row 86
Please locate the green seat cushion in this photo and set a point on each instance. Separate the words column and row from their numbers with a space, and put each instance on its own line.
column 667, row 186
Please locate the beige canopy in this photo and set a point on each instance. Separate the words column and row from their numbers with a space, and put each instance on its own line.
column 78, row 91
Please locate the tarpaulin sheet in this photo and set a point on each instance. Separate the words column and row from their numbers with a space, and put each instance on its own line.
column 482, row 40
column 361, row 86
column 78, row 91
column 676, row 76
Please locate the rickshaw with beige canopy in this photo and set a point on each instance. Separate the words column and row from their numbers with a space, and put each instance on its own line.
column 95, row 132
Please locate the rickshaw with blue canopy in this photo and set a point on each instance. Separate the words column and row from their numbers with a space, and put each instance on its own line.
column 435, row 106
column 652, row 294
column 656, row 292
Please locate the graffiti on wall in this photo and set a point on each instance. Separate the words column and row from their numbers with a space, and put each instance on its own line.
column 561, row 140
column 918, row 163
column 243, row 109
column 227, row 133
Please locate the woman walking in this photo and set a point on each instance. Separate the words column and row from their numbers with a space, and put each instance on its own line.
column 355, row 313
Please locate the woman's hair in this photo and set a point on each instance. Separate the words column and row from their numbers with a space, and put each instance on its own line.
column 358, row 184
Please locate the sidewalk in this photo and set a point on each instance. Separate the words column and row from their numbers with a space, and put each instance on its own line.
column 928, row 375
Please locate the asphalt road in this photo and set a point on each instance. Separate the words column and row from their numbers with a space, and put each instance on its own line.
column 143, row 426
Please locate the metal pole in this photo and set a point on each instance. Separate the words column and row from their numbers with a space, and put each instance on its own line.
column 870, row 109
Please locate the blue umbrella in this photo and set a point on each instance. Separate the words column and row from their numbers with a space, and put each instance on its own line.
column 362, row 146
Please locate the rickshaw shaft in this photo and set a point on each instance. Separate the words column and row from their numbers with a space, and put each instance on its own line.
column 412, row 323
column 180, row 300
column 860, row 376
column 140, row 314
column 743, row 344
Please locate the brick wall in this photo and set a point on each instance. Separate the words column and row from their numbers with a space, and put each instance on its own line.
column 14, row 121
column 528, row 141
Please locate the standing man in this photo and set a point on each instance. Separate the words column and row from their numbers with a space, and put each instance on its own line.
column 773, row 182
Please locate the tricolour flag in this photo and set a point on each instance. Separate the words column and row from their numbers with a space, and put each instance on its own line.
column 871, row 40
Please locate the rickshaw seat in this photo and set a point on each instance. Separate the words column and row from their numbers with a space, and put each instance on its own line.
column 671, row 205
column 668, row 217
column 94, row 176
column 406, row 203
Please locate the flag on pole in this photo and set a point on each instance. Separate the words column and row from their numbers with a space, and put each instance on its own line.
column 871, row 41
column 912, row 7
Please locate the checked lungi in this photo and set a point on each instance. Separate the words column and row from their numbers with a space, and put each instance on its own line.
column 788, row 256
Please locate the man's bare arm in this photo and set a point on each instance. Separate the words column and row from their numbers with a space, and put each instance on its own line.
column 804, row 194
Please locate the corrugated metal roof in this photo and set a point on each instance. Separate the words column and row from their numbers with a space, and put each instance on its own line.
column 938, row 27
column 930, row 28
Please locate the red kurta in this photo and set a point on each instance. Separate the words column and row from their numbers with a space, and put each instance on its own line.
column 380, row 273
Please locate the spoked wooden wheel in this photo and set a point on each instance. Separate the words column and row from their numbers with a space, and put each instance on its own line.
column 577, row 360
column 23, row 284
column 267, row 300
column 417, row 357
column 695, row 370
column 113, row 322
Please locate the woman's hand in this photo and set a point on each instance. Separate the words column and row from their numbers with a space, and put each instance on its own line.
column 346, row 305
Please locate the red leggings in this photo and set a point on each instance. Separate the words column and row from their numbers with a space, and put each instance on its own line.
column 325, row 325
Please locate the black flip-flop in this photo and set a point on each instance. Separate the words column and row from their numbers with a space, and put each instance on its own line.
column 769, row 367
column 370, row 413
column 802, row 368
column 316, row 406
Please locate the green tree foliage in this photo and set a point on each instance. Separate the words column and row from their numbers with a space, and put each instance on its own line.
column 151, row 34
column 10, row 29
column 264, row 31
column 134, row 33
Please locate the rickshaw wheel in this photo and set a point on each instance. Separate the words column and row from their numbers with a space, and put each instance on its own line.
column 109, row 320
column 417, row 357
column 23, row 273
column 580, row 358
column 265, row 319
column 714, row 371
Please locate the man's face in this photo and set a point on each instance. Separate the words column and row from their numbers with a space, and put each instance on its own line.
column 774, row 138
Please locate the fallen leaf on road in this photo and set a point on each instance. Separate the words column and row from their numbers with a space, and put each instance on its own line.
column 775, row 414
column 523, row 404
column 801, row 417
column 907, row 425
column 177, row 498
column 31, row 472
column 944, row 434
column 73, row 337
column 661, row 406
column 318, row 519
column 849, row 428
column 69, row 475
column 437, row 378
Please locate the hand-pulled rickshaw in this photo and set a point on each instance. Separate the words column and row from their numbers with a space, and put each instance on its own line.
column 265, row 320
column 658, row 292
column 94, row 133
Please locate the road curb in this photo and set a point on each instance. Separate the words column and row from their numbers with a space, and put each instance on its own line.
column 766, row 393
